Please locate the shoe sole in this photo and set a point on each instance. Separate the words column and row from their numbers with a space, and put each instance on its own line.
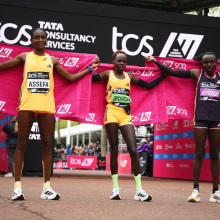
column 137, row 198
column 21, row 197
column 214, row 200
column 193, row 200
column 118, row 197
column 48, row 198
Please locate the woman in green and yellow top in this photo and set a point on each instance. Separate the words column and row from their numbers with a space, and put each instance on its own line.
column 37, row 98
column 117, row 115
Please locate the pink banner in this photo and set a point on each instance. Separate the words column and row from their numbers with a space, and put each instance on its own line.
column 79, row 101
column 124, row 163
column 174, row 150
column 72, row 99
column 147, row 107
column 82, row 162
column 180, row 93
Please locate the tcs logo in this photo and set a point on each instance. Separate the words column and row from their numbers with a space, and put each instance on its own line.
column 131, row 38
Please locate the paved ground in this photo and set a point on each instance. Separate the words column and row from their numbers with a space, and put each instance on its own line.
column 85, row 195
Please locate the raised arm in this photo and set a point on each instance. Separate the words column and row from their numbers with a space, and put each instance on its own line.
column 193, row 73
column 147, row 85
column 73, row 77
column 20, row 59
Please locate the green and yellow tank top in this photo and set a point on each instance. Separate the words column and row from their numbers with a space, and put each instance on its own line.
column 37, row 89
column 118, row 91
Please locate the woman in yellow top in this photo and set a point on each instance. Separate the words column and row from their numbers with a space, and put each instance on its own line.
column 117, row 115
column 37, row 97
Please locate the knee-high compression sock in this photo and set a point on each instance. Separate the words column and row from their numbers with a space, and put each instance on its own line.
column 138, row 182
column 115, row 181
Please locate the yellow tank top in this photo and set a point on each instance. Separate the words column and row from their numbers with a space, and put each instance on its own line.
column 118, row 91
column 37, row 89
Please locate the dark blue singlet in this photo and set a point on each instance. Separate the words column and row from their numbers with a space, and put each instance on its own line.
column 207, row 105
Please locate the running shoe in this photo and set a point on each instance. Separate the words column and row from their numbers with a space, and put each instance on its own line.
column 194, row 197
column 17, row 194
column 49, row 194
column 142, row 196
column 115, row 194
column 215, row 197
column 9, row 175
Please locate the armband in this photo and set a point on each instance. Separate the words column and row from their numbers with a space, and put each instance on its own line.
column 95, row 77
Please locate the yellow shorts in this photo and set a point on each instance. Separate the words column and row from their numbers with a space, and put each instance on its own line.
column 36, row 112
column 117, row 115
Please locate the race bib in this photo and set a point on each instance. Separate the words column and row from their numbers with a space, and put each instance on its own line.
column 121, row 97
column 209, row 92
column 38, row 82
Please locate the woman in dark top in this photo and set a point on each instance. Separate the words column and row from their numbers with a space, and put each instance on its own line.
column 206, row 119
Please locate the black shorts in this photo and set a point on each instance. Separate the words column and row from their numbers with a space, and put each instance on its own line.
column 206, row 124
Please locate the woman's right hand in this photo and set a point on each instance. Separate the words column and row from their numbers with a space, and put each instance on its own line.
column 150, row 58
column 96, row 63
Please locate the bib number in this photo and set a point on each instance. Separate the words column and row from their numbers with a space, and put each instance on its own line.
column 38, row 82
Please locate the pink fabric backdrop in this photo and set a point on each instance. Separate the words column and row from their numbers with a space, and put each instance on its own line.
column 72, row 99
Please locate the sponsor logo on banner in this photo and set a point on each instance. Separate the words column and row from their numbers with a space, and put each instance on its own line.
column 159, row 147
column 36, row 132
column 188, row 43
column 91, row 117
column 5, row 52
column 143, row 44
column 75, row 161
column 63, row 109
column 123, row 163
column 187, row 123
column 21, row 32
column 178, row 146
column 142, row 72
column 185, row 156
column 2, row 103
column 175, row 156
column 169, row 165
column 87, row 162
column 174, row 65
column 71, row 62
column 59, row 164
column 161, row 126
column 170, row 110
column 189, row 146
column 167, row 147
column 145, row 116
column 184, row 165
column 57, row 38
column 175, row 124
column 173, row 110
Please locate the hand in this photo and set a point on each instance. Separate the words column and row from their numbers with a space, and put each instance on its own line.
column 96, row 63
column 150, row 58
